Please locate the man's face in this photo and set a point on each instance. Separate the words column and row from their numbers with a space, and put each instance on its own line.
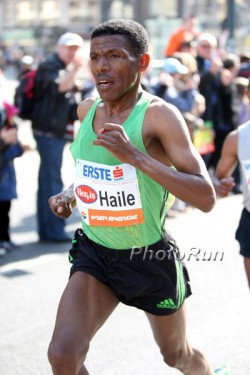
column 113, row 65
column 67, row 53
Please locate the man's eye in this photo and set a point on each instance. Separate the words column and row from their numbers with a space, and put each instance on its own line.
column 115, row 56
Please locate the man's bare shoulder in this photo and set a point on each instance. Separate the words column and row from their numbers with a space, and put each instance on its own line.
column 159, row 106
column 164, row 116
column 84, row 107
column 158, row 102
column 165, row 129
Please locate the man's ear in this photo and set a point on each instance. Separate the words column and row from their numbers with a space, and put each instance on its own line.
column 143, row 62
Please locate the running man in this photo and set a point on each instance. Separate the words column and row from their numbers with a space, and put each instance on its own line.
column 236, row 148
column 132, row 151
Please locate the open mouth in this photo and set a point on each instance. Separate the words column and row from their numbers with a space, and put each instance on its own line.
column 103, row 83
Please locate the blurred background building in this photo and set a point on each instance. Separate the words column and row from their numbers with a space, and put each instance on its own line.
column 34, row 25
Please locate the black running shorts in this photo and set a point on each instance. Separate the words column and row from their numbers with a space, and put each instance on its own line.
column 150, row 278
column 243, row 233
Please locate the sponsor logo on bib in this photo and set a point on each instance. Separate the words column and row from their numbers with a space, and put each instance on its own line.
column 86, row 194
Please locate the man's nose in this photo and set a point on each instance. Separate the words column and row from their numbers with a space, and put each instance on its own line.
column 102, row 64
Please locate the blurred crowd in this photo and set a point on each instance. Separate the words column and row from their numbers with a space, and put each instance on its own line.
column 209, row 86
column 11, row 58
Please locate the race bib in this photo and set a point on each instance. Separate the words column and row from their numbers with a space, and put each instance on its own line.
column 107, row 195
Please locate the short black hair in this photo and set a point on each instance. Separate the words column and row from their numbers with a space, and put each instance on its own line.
column 132, row 30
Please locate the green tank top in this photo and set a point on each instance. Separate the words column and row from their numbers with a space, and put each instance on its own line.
column 121, row 207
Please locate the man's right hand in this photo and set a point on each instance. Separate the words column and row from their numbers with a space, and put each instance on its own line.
column 63, row 203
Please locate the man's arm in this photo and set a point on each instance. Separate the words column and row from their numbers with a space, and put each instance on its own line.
column 190, row 181
column 222, row 181
column 66, row 83
column 63, row 203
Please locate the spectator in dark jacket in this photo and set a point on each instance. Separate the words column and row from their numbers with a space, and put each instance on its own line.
column 54, row 82
column 218, row 88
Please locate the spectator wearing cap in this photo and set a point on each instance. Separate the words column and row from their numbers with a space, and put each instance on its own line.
column 26, row 75
column 25, row 65
column 181, row 90
column 54, row 82
column 171, row 69
column 27, row 62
